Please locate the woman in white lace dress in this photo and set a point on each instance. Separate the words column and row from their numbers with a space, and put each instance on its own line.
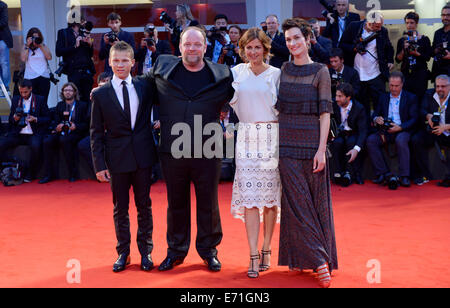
column 257, row 186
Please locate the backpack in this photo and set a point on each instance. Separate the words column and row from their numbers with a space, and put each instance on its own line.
column 11, row 175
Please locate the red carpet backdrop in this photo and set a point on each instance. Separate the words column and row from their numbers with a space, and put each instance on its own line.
column 62, row 235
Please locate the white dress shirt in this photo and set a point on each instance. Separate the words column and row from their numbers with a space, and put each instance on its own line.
column 394, row 109
column 134, row 99
column 345, row 113
column 366, row 65
column 27, row 130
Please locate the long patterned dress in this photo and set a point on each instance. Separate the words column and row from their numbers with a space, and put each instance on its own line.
column 307, row 238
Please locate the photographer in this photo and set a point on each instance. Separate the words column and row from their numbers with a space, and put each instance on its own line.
column 414, row 51
column 230, row 53
column 340, row 73
column 368, row 49
column 36, row 56
column 320, row 46
column 28, row 122
column 115, row 35
column 396, row 118
column 183, row 20
column 75, row 46
column 217, row 38
column 338, row 21
column 72, row 125
column 279, row 49
column 6, row 43
column 441, row 46
column 437, row 114
column 150, row 49
column 351, row 137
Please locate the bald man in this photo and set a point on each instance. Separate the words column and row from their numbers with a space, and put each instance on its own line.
column 188, row 88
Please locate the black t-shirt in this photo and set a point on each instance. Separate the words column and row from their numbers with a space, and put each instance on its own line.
column 192, row 82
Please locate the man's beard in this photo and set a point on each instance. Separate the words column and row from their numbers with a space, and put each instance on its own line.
column 192, row 60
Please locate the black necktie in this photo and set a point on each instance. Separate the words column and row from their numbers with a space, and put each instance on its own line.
column 126, row 100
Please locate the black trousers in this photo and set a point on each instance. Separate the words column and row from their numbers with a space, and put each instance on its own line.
column 416, row 82
column 121, row 183
column 84, row 83
column 41, row 86
column 84, row 149
column 370, row 92
column 205, row 174
column 421, row 143
column 33, row 141
column 68, row 143
column 339, row 148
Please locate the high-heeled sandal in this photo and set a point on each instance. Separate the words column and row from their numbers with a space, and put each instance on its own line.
column 262, row 266
column 251, row 272
column 323, row 274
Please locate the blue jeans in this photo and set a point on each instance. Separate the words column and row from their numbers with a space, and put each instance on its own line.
column 4, row 64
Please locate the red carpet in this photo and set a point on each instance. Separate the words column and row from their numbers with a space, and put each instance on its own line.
column 43, row 227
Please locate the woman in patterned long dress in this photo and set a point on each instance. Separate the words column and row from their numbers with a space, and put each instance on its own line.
column 307, row 239
column 257, row 186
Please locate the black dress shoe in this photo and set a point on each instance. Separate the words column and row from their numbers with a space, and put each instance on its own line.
column 73, row 179
column 444, row 183
column 147, row 263
column 170, row 262
column 213, row 264
column 121, row 263
column 45, row 180
column 346, row 180
column 405, row 182
column 379, row 180
column 358, row 179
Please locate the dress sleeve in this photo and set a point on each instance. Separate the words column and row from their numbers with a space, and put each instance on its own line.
column 324, row 88
column 236, row 73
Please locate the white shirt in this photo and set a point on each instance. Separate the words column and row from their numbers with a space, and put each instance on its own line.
column 443, row 110
column 26, row 109
column 366, row 65
column 134, row 99
column 345, row 113
column 394, row 109
column 36, row 66
column 147, row 66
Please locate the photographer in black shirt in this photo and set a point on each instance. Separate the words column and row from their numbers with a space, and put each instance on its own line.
column 441, row 46
column 76, row 47
column 414, row 51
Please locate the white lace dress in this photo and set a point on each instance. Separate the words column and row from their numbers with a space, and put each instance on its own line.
column 257, row 182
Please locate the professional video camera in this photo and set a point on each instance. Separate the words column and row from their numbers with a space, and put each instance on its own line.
column 215, row 34
column 361, row 44
column 441, row 51
column 20, row 113
column 66, row 123
column 328, row 8
column 166, row 19
column 411, row 37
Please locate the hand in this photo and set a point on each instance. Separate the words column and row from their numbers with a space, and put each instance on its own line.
column 430, row 122
column 104, row 176
column 447, row 57
column 353, row 154
column 331, row 18
column 78, row 40
column 157, row 125
column 152, row 48
column 72, row 127
column 59, row 128
column 391, row 66
column 143, row 43
column 170, row 30
column 439, row 130
column 29, row 42
column 406, row 45
column 105, row 38
column 313, row 39
column 16, row 118
column 379, row 120
column 31, row 119
column 395, row 129
column 319, row 162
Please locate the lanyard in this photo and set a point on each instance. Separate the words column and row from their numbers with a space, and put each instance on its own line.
column 72, row 110
column 33, row 104
column 443, row 107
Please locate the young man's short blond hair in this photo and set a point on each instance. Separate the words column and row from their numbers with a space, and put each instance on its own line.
column 122, row 46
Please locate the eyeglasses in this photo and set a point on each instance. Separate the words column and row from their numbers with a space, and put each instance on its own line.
column 68, row 90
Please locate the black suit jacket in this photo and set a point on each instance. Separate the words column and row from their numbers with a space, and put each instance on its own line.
column 357, row 121
column 115, row 146
column 175, row 106
column 279, row 51
column 409, row 110
column 40, row 111
column 320, row 52
column 5, row 33
column 332, row 30
column 162, row 48
column 430, row 106
column 79, row 117
column 350, row 76
column 385, row 50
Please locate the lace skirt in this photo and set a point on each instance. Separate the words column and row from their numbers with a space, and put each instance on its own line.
column 257, row 181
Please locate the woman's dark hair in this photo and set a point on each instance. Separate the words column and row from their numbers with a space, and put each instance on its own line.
column 346, row 89
column 238, row 28
column 302, row 24
column 33, row 31
column 413, row 15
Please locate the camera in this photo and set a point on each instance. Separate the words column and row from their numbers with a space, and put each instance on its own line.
column 150, row 30
column 336, row 80
column 436, row 119
column 22, row 115
column 66, row 123
column 86, row 29
column 112, row 37
column 53, row 79
column 166, row 19
column 441, row 51
column 215, row 34
column 386, row 126
column 393, row 182
column 150, row 42
column 230, row 50
column 328, row 8
column 411, row 37
column 62, row 69
column 37, row 40
column 361, row 44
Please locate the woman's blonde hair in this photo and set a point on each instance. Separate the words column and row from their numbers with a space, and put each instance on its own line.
column 251, row 35
column 185, row 9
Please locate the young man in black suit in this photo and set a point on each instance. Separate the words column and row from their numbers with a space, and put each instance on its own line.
column 341, row 73
column 27, row 127
column 123, row 151
column 337, row 23
column 352, row 125
column 402, row 109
